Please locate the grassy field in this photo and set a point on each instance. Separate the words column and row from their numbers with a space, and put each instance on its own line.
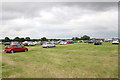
column 79, row 60
column 0, row 61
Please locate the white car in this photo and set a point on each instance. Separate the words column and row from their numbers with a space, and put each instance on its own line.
column 115, row 42
column 62, row 42
column 36, row 42
column 47, row 45
column 31, row 44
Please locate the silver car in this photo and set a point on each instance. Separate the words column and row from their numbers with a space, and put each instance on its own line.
column 31, row 44
column 47, row 45
column 62, row 42
column 115, row 42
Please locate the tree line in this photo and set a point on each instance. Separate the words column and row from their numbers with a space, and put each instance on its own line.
column 7, row 39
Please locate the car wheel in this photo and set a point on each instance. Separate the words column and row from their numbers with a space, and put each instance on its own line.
column 12, row 51
column 26, row 50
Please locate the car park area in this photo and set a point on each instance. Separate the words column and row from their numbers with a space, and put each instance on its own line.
column 77, row 60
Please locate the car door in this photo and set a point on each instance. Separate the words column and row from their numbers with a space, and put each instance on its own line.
column 49, row 45
column 20, row 48
column 15, row 48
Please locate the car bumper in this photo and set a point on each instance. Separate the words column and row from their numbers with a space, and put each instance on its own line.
column 115, row 43
column 7, row 50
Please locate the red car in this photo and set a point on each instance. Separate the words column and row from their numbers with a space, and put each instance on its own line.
column 15, row 48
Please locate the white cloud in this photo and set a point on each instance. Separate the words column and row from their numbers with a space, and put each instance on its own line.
column 63, row 22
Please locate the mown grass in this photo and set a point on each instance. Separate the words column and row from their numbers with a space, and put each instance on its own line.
column 79, row 60
column 0, row 61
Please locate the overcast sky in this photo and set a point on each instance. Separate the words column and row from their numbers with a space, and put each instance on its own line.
column 59, row 19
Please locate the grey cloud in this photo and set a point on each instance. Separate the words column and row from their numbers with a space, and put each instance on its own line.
column 30, row 9
column 60, row 0
column 54, row 20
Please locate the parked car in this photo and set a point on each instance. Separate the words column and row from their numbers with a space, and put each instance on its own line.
column 36, row 42
column 15, row 43
column 31, row 44
column 62, row 42
column 115, row 42
column 42, row 42
column 15, row 48
column 90, row 41
column 80, row 41
column 70, row 42
column 85, row 41
column 25, row 43
column 98, row 43
column 7, row 43
column 54, row 42
column 47, row 45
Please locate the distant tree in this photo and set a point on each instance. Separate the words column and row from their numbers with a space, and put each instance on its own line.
column 63, row 40
column 39, row 39
column 50, row 39
column 7, row 39
column 44, row 39
column 21, row 39
column 85, row 37
column 3, row 40
column 35, row 39
column 16, row 39
column 54, row 39
column 58, row 39
column 75, row 38
column 27, row 38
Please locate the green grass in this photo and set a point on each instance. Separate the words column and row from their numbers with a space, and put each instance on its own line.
column 0, row 61
column 79, row 60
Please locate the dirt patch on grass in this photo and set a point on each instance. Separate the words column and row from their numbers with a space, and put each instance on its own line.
column 8, row 61
column 34, row 47
column 115, row 51
column 14, row 76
